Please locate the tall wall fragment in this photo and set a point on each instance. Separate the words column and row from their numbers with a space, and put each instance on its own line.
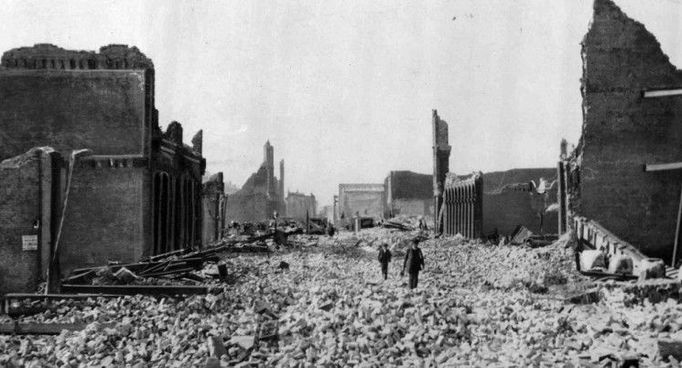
column 441, row 163
column 623, row 130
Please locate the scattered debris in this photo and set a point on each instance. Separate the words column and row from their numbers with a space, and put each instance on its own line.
column 476, row 304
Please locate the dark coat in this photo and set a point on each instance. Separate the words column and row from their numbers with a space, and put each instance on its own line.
column 384, row 255
column 414, row 260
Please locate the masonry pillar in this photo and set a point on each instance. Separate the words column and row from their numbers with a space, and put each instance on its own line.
column 441, row 165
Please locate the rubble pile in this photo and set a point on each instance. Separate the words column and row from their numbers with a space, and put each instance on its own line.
column 476, row 305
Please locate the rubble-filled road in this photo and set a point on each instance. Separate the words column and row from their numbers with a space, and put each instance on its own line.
column 476, row 305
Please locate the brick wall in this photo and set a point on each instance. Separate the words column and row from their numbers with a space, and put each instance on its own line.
column 504, row 209
column 408, row 193
column 107, row 217
column 103, row 110
column 412, row 207
column 622, row 131
column 28, row 204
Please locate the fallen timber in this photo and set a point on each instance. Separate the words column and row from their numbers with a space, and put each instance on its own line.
column 39, row 328
column 156, row 290
column 9, row 298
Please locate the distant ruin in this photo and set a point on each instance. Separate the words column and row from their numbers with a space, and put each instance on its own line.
column 261, row 196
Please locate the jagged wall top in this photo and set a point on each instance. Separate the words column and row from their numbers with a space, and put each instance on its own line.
column 48, row 56
column 619, row 53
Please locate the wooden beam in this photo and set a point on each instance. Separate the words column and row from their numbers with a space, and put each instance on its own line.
column 662, row 93
column 38, row 328
column 139, row 289
column 663, row 167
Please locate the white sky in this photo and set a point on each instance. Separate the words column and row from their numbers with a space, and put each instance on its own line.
column 344, row 89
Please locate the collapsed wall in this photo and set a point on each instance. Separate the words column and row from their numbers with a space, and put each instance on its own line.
column 623, row 130
column 511, row 198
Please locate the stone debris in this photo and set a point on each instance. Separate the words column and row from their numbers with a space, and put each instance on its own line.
column 621, row 264
column 476, row 305
column 651, row 268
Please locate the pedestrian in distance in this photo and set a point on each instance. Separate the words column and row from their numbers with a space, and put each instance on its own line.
column 384, row 259
column 414, row 262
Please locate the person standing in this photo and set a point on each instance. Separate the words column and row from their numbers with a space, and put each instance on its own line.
column 384, row 259
column 414, row 262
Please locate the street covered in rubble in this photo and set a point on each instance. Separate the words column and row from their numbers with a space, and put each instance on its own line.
column 324, row 303
column 340, row 184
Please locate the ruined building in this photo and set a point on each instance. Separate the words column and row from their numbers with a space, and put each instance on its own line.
column 625, row 172
column 364, row 200
column 300, row 206
column 408, row 194
column 136, row 190
column 261, row 195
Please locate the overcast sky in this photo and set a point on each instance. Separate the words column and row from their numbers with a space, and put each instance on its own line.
column 344, row 89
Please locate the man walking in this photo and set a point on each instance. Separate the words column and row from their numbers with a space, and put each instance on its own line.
column 414, row 262
column 384, row 259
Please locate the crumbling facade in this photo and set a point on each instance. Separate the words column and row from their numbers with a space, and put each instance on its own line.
column 441, row 164
column 137, row 189
column 261, row 196
column 632, row 108
column 214, row 203
column 364, row 200
column 408, row 194
column 301, row 206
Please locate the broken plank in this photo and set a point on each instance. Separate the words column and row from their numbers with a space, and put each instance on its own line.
column 663, row 167
column 169, row 272
column 140, row 289
column 662, row 93
column 8, row 298
column 39, row 328
column 159, row 257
